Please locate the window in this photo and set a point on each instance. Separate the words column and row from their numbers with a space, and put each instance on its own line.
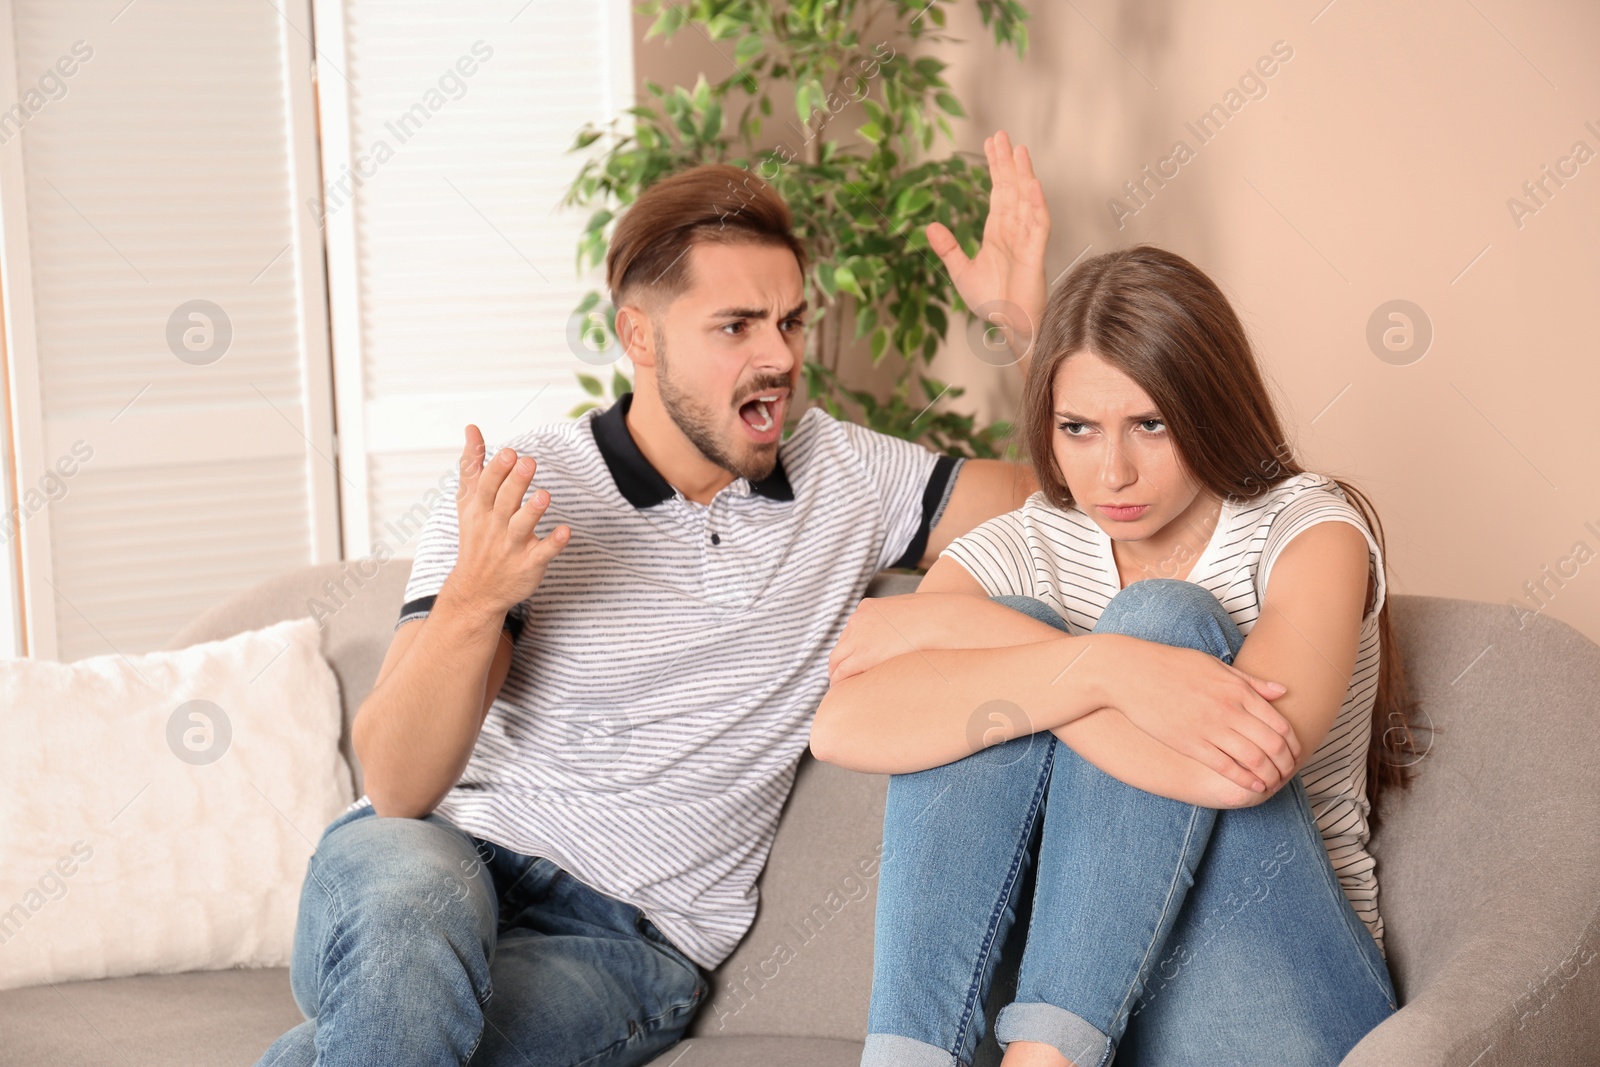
column 228, row 230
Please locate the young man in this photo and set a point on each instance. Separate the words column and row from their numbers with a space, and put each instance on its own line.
column 613, row 641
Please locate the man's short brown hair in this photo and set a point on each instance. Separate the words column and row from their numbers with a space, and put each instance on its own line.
column 714, row 203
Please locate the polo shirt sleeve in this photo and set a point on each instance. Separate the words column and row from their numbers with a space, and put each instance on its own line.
column 912, row 484
column 435, row 558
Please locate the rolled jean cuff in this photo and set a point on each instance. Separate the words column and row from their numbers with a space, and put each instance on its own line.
column 1072, row 1036
column 892, row 1050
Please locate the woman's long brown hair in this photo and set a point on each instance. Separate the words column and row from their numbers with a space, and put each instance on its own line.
column 1161, row 321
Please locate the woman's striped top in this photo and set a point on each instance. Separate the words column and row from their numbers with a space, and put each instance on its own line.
column 1065, row 559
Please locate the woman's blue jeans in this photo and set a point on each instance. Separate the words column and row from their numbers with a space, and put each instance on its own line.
column 1165, row 933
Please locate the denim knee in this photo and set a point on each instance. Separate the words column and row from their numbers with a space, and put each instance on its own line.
column 1034, row 608
column 1173, row 612
column 380, row 893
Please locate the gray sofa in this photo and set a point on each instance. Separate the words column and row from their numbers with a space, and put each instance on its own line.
column 1490, row 873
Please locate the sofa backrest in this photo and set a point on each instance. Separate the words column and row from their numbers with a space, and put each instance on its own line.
column 1501, row 820
column 1497, row 841
column 357, row 604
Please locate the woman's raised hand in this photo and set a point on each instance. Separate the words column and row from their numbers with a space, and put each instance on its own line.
column 1009, row 266
column 1207, row 710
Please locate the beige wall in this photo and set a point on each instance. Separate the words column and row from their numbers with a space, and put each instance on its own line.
column 1378, row 166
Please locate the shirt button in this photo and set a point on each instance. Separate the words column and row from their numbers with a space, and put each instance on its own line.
column 716, row 540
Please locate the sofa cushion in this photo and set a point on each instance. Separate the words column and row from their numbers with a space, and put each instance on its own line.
column 159, row 809
column 761, row 1052
column 229, row 1018
column 201, row 1019
column 1489, row 866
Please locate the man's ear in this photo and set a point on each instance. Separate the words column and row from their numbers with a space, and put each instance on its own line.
column 637, row 338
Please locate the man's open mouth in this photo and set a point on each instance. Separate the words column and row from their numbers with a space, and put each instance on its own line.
column 762, row 411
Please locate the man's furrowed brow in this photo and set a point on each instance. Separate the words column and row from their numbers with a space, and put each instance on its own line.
column 756, row 313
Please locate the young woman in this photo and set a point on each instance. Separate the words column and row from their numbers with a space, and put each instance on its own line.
column 1167, row 683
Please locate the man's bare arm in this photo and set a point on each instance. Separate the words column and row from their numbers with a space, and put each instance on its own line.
column 1005, row 283
column 415, row 731
column 984, row 488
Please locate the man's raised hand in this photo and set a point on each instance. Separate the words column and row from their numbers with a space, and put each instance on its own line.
column 500, row 561
column 1009, row 266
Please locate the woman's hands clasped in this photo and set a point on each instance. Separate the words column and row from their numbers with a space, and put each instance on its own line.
column 1205, row 709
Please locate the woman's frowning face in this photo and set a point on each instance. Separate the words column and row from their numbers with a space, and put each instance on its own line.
column 1113, row 448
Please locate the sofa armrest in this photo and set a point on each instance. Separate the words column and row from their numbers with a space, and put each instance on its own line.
column 1514, row 993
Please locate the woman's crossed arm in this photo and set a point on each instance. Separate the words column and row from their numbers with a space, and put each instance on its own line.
column 925, row 679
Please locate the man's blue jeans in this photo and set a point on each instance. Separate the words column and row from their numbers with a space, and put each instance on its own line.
column 418, row 943
column 1161, row 932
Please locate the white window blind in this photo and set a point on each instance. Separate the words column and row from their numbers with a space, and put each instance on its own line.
column 165, row 307
column 451, row 265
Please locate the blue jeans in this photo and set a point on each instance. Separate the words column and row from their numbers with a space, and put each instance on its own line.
column 419, row 943
column 1164, row 933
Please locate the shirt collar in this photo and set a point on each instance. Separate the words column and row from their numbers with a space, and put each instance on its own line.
column 639, row 482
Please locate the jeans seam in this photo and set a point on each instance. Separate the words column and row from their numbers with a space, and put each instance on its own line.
column 1152, row 947
column 1303, row 807
column 1009, row 887
column 333, row 920
column 641, row 1031
column 328, row 917
column 677, row 1007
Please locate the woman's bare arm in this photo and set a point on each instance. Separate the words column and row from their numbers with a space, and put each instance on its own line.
column 866, row 723
column 1306, row 637
column 928, row 708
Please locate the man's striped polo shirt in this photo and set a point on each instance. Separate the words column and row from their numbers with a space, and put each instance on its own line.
column 667, row 668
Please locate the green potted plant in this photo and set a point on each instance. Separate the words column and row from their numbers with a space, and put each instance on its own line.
column 860, row 203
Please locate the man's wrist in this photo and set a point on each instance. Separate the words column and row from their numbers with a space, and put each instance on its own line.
column 475, row 610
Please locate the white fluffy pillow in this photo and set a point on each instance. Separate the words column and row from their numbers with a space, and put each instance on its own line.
column 157, row 811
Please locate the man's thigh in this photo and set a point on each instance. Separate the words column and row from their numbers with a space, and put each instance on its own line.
column 579, row 979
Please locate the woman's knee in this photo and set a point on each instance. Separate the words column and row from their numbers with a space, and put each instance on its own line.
column 1034, row 608
column 1173, row 612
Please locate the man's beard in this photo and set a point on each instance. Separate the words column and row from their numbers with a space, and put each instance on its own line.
column 697, row 423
